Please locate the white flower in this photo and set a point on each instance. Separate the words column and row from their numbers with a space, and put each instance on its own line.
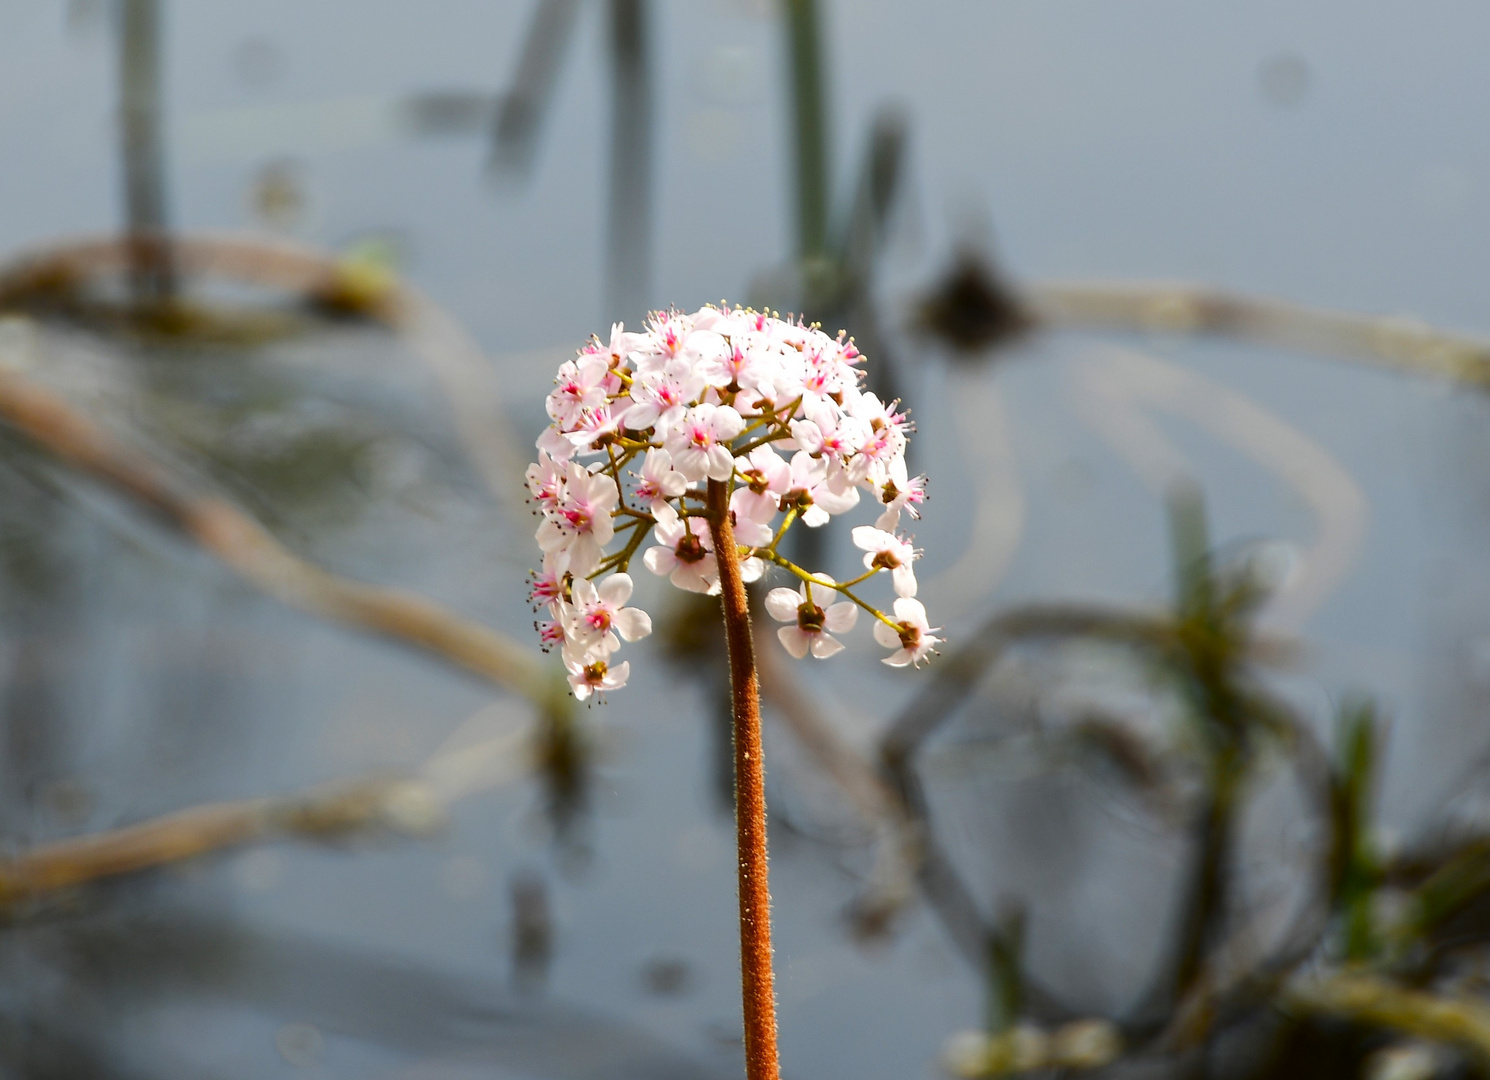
column 828, row 431
column 811, row 624
column 685, row 555
column 547, row 586
column 581, row 526
column 665, row 407
column 595, row 677
column 911, row 638
column 592, row 425
column 600, row 614
column 622, row 344
column 809, row 491
column 749, row 532
column 766, row 478
column 555, row 444
column 886, row 551
column 662, row 397
column 550, row 633
column 738, row 367
column 900, row 492
column 658, row 482
column 699, row 445
column 546, row 482
column 579, row 386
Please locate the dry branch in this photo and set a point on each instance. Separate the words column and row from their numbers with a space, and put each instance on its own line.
column 247, row 548
column 1179, row 308
column 466, row 377
column 327, row 813
column 1369, row 999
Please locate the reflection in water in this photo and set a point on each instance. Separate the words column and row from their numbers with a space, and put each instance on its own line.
column 532, row 932
column 523, row 109
column 133, row 972
column 629, row 239
column 142, row 131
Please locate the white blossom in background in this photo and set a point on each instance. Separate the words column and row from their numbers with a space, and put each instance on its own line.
column 772, row 407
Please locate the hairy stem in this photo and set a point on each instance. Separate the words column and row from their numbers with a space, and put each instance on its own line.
column 756, row 979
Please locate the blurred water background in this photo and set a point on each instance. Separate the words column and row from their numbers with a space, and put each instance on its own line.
column 540, row 169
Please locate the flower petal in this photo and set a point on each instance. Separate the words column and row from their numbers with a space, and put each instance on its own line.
column 660, row 560
column 614, row 590
column 633, row 624
column 904, row 579
column 794, row 639
column 782, row 604
column 824, row 646
column 721, row 463
column 688, row 577
column 911, row 611
column 727, row 423
column 840, row 618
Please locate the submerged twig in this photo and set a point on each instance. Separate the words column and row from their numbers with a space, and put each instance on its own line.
column 810, row 123
column 629, row 222
column 248, row 549
column 1383, row 341
column 60, row 272
column 515, row 137
column 152, row 275
column 325, row 813
column 1370, row 999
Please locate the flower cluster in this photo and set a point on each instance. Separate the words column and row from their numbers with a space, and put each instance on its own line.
column 773, row 409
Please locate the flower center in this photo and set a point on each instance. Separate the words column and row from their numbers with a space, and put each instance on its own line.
column 595, row 673
column 885, row 560
column 810, row 618
column 599, row 617
column 690, row 549
column 910, row 636
column 797, row 497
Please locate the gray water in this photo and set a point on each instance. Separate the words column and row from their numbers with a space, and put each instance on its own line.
column 1328, row 154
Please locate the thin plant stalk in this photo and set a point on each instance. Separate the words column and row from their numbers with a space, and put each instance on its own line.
column 152, row 275
column 628, row 242
column 756, row 978
column 810, row 120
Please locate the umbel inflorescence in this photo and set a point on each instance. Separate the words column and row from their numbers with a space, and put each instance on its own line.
column 770, row 407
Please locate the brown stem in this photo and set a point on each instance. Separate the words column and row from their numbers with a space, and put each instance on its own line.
column 750, row 801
